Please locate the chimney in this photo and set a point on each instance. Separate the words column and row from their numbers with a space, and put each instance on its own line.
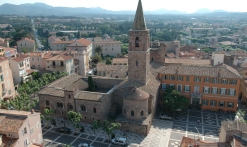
column 32, row 111
column 219, row 73
column 177, row 70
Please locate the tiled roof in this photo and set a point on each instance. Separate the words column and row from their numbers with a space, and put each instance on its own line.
column 186, row 141
column 62, row 42
column 57, row 88
column 135, row 94
column 119, row 60
column 14, row 112
column 9, row 142
column 2, row 59
column 34, row 54
column 11, row 123
column 84, row 41
column 225, row 71
column 8, row 49
column 88, row 96
column 17, row 59
column 107, row 42
column 60, row 57
column 26, row 39
column 187, row 61
column 104, row 67
column 234, row 125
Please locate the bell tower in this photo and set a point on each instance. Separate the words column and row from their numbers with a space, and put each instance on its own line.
column 139, row 48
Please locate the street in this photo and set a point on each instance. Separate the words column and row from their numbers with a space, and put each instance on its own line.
column 40, row 46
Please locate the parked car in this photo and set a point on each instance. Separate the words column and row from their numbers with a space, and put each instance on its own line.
column 178, row 110
column 165, row 117
column 84, row 145
column 119, row 141
column 63, row 130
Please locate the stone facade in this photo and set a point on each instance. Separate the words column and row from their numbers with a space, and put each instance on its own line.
column 158, row 54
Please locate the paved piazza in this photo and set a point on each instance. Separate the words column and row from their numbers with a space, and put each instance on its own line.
column 163, row 133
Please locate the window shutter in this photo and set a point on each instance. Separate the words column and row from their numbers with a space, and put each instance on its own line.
column 234, row 92
column 211, row 90
column 228, row 91
column 226, row 81
column 221, row 81
column 184, row 88
column 194, row 79
column 215, row 103
column 208, row 90
column 232, row 105
column 189, row 88
column 203, row 89
column 236, row 81
column 199, row 79
column 220, row 91
column 209, row 80
column 224, row 104
column 204, row 79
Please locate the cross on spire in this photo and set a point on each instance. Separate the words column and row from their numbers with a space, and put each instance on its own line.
column 139, row 22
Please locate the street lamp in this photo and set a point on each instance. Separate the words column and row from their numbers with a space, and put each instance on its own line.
column 197, row 131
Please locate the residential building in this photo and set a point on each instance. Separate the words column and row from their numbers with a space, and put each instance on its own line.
column 7, row 89
column 229, row 129
column 109, row 46
column 26, row 43
column 20, row 66
column 212, row 87
column 52, row 39
column 217, row 58
column 10, row 52
column 62, row 63
column 37, row 60
column 60, row 45
column 4, row 42
column 20, row 129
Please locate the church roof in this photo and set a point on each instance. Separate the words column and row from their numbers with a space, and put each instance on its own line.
column 139, row 22
column 135, row 94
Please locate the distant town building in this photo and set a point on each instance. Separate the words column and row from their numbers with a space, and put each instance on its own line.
column 109, row 46
column 26, row 43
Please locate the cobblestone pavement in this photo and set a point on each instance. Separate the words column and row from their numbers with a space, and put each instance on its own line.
column 158, row 137
column 186, row 124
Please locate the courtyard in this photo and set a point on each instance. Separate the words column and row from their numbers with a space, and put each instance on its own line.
column 163, row 133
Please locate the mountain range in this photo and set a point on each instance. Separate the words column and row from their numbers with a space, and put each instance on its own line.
column 36, row 9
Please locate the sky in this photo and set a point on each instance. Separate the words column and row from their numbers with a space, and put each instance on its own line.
column 188, row 6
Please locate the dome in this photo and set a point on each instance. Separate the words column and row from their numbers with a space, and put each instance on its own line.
column 135, row 94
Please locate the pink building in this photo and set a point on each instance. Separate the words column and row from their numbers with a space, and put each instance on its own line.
column 20, row 129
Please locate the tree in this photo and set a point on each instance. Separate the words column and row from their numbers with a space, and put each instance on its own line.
column 97, row 58
column 98, row 50
column 75, row 118
column 109, row 127
column 96, row 125
column 240, row 116
column 47, row 115
column 91, row 86
column 174, row 100
column 108, row 61
column 21, row 103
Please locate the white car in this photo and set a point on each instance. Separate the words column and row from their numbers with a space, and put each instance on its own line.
column 84, row 145
column 119, row 141
column 165, row 117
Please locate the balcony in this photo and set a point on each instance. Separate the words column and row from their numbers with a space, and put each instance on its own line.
column 196, row 95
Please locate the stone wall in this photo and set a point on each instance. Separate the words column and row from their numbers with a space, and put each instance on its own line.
column 136, row 107
column 135, row 128
column 229, row 60
column 158, row 55
column 105, row 83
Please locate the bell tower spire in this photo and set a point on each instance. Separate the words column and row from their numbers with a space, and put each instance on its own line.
column 139, row 49
column 139, row 22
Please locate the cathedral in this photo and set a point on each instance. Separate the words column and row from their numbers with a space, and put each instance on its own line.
column 131, row 102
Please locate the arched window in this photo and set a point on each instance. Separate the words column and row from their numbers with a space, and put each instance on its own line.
column 132, row 113
column 58, row 104
column 70, row 107
column 61, row 105
column 124, row 111
column 142, row 113
column 136, row 63
column 137, row 42
column 83, row 108
column 69, row 96
column 94, row 110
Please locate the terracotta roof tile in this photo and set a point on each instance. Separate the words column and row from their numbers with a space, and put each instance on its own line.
column 207, row 71
column 84, row 41
column 62, row 42
column 187, row 61
column 60, row 57
column 17, row 59
column 27, row 39
column 11, row 123
column 88, row 96
column 2, row 58
column 119, row 60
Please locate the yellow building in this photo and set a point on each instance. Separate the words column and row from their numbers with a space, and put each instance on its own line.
column 213, row 87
